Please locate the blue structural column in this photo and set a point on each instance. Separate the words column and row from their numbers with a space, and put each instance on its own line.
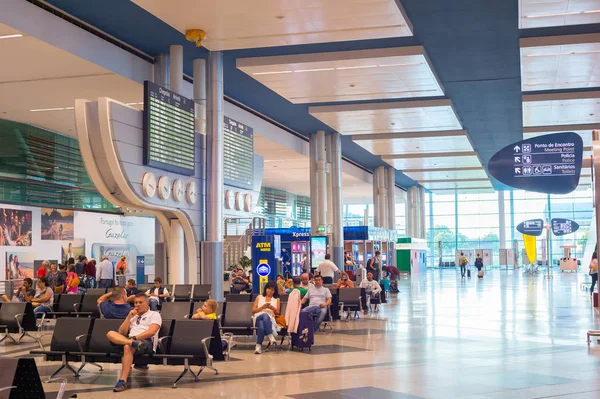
column 212, row 248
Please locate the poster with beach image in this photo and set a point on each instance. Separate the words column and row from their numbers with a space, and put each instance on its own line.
column 72, row 249
column 57, row 224
column 19, row 265
column 15, row 228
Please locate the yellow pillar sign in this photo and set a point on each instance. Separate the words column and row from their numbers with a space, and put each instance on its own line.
column 263, row 272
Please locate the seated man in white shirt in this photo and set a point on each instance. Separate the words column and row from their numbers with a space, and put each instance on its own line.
column 138, row 334
column 372, row 288
column 318, row 298
column 158, row 294
column 327, row 269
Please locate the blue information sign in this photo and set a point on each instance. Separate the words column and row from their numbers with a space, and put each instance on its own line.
column 560, row 227
column 531, row 227
column 140, row 269
column 544, row 164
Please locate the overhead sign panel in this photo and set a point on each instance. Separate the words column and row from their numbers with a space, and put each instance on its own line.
column 169, row 132
column 544, row 164
column 561, row 227
column 533, row 227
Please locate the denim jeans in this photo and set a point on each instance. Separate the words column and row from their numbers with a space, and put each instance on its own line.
column 105, row 283
column 153, row 301
column 42, row 309
column 463, row 270
column 594, row 281
column 264, row 327
column 317, row 311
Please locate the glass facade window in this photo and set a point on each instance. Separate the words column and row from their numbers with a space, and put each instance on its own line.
column 471, row 221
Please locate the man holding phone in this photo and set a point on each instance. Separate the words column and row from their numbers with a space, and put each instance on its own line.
column 137, row 334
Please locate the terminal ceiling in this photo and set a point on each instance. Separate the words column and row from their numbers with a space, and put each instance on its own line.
column 397, row 79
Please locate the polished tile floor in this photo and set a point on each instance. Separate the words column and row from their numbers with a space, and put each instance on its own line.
column 505, row 336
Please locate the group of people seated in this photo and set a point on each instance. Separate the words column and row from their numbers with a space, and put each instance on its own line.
column 117, row 302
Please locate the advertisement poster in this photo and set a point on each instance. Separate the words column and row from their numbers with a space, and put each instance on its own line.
column 318, row 250
column 16, row 228
column 19, row 264
column 72, row 249
column 116, row 236
column 57, row 224
column 95, row 234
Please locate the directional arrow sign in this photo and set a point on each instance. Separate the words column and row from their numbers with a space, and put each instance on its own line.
column 560, row 227
column 553, row 163
column 531, row 227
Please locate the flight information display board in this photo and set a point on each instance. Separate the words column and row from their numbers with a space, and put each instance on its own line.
column 169, row 131
column 238, row 158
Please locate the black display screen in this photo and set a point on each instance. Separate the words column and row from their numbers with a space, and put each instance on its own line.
column 238, row 157
column 169, row 131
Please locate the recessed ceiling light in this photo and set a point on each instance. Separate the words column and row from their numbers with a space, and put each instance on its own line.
column 280, row 17
column 352, row 85
column 11, row 36
column 393, row 123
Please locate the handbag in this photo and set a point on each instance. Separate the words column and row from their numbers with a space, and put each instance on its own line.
column 59, row 289
column 280, row 320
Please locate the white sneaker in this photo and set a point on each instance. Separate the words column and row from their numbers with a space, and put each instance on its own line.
column 272, row 339
column 258, row 349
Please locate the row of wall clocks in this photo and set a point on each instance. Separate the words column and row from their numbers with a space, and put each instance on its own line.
column 151, row 186
column 238, row 201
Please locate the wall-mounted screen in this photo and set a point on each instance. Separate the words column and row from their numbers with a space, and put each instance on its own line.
column 318, row 250
column 169, row 133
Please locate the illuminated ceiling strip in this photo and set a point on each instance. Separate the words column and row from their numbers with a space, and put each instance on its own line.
column 562, row 14
column 567, row 53
column 11, row 36
column 337, row 68
column 50, row 109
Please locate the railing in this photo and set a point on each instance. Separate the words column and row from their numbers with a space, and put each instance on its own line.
column 235, row 249
column 7, row 287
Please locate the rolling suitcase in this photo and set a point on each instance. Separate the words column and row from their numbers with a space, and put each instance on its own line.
column 469, row 273
column 305, row 337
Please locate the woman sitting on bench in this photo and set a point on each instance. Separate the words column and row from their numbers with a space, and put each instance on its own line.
column 266, row 307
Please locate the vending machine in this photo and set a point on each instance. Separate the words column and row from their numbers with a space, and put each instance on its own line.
column 298, row 251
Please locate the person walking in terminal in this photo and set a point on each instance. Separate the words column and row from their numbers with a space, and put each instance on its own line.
column 137, row 334
column 373, row 265
column 266, row 307
column 105, row 273
column 318, row 298
column 327, row 269
column 372, row 288
column 462, row 262
column 113, row 305
column 158, row 294
column 594, row 271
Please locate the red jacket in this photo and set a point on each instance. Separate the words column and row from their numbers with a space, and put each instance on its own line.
column 41, row 272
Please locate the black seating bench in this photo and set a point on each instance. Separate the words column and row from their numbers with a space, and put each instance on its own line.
column 190, row 345
column 64, row 343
